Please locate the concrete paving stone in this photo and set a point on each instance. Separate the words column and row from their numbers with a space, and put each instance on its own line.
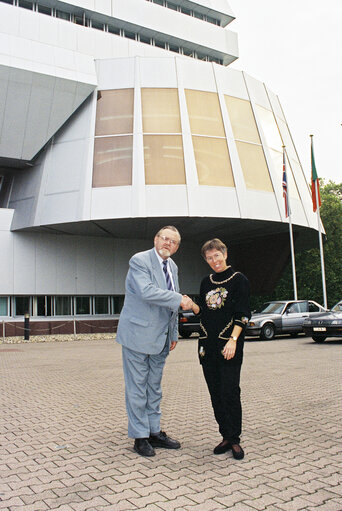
column 71, row 498
column 37, row 506
column 8, row 503
column 36, row 497
column 66, row 490
column 208, row 505
column 296, row 504
column 321, row 496
column 94, row 503
column 241, row 506
column 114, row 498
column 181, row 502
column 286, row 494
column 260, row 490
column 232, row 499
column 152, row 498
column 329, row 506
column 162, row 489
column 265, row 502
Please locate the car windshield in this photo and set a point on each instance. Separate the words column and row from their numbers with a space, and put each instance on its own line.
column 271, row 308
column 337, row 307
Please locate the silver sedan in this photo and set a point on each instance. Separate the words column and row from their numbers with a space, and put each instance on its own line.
column 281, row 317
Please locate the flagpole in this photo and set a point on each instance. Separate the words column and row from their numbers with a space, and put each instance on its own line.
column 325, row 301
column 293, row 260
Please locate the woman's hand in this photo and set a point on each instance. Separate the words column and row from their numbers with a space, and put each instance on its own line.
column 229, row 350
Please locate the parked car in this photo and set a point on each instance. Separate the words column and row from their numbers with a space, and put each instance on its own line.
column 188, row 323
column 327, row 324
column 281, row 317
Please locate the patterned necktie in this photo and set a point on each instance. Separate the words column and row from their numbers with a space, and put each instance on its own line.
column 167, row 276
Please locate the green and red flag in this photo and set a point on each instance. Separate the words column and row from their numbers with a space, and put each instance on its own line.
column 314, row 181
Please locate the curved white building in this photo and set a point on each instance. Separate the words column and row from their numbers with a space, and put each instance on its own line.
column 116, row 118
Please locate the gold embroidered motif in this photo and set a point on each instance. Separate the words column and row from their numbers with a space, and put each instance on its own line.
column 204, row 330
column 223, row 281
column 225, row 329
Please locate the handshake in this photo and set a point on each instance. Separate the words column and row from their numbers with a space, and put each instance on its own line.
column 186, row 303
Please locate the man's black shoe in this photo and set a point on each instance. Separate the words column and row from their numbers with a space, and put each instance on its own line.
column 143, row 447
column 162, row 440
column 222, row 447
column 237, row 451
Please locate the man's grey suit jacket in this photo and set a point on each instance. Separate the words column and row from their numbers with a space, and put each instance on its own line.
column 149, row 316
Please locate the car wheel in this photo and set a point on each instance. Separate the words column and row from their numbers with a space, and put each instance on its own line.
column 267, row 332
column 318, row 338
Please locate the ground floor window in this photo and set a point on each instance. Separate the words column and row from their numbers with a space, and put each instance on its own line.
column 49, row 306
column 22, row 305
column 3, row 305
column 82, row 305
column 63, row 306
column 101, row 304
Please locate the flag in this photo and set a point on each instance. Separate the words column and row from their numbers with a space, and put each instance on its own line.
column 285, row 190
column 314, row 181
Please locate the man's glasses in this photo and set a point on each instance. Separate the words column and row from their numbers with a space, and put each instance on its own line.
column 168, row 240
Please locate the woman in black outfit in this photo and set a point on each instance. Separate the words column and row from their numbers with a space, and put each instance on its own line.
column 225, row 311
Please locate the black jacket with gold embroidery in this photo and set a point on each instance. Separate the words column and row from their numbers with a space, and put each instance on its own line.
column 224, row 302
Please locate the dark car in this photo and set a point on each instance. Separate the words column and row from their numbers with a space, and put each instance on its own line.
column 281, row 317
column 188, row 323
column 328, row 324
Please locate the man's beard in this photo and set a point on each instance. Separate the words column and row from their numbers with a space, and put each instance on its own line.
column 164, row 252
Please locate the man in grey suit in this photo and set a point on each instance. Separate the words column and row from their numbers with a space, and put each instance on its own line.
column 147, row 331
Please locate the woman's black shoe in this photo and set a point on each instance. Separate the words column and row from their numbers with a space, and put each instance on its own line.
column 143, row 447
column 237, row 451
column 222, row 447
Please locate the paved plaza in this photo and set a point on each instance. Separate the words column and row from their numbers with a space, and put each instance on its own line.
column 64, row 444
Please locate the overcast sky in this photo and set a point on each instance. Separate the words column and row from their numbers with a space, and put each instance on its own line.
column 295, row 47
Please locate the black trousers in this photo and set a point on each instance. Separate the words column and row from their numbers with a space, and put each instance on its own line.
column 223, row 381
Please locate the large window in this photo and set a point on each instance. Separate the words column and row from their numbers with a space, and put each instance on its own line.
column 275, row 144
column 101, row 305
column 114, row 112
column 163, row 151
column 82, row 305
column 254, row 167
column 204, row 113
column 3, row 306
column 113, row 153
column 113, row 161
column 164, row 162
column 212, row 161
column 44, row 305
column 63, row 306
column 160, row 111
column 209, row 139
column 242, row 119
column 22, row 305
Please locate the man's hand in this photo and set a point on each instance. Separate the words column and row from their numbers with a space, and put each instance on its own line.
column 173, row 345
column 186, row 302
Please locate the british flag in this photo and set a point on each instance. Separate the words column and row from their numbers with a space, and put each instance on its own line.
column 285, row 190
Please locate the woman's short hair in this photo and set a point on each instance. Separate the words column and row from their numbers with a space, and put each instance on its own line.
column 214, row 244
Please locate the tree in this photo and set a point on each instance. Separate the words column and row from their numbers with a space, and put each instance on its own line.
column 308, row 263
